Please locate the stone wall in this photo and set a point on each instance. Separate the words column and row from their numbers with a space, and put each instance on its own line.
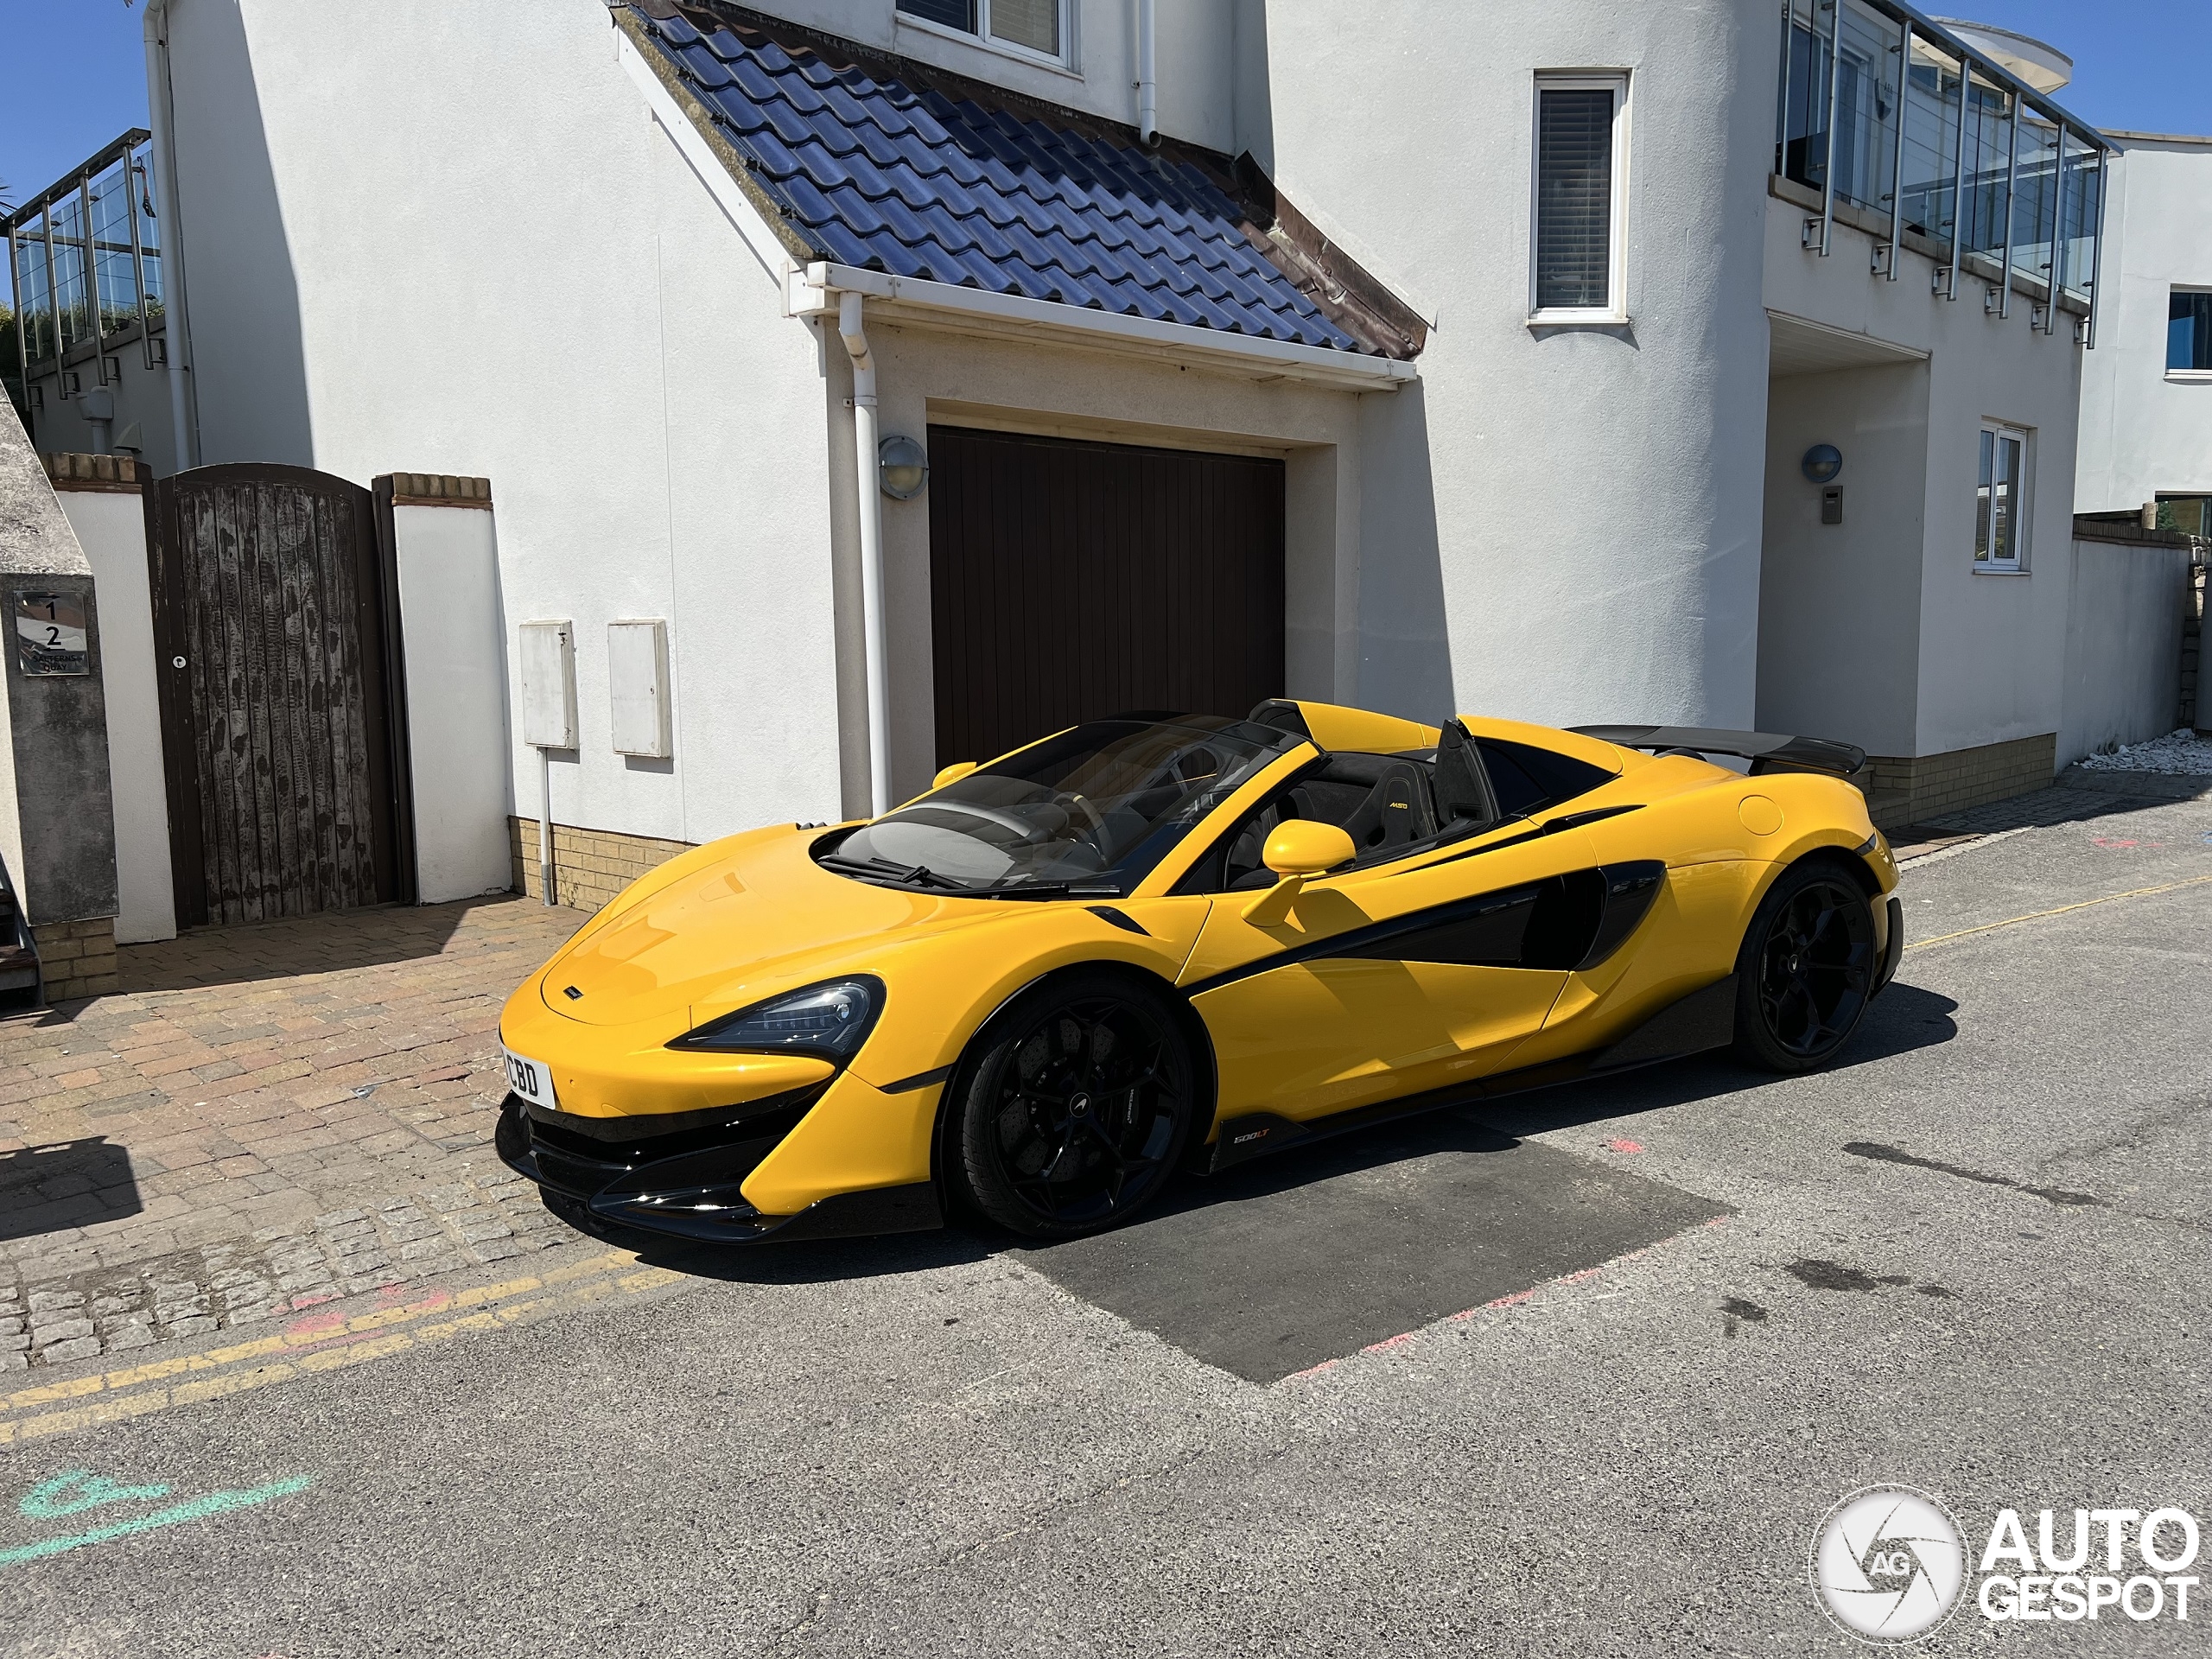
column 1912, row 788
column 589, row 866
column 76, row 959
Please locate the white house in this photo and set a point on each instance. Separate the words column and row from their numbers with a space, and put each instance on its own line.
column 1573, row 361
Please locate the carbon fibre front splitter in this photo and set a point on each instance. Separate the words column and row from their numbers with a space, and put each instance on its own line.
column 686, row 1196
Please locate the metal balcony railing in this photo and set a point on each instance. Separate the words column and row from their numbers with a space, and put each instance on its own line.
column 86, row 256
column 1883, row 110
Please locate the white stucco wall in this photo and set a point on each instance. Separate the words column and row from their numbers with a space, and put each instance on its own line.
column 453, row 631
column 1987, row 648
column 111, row 527
column 1194, row 45
column 1569, row 529
column 2123, row 646
column 2143, row 434
column 141, row 400
column 497, row 264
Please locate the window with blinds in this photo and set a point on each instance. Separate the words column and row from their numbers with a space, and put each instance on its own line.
column 1577, row 230
column 1037, row 26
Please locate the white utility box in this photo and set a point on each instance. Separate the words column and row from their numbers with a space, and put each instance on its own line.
column 637, row 679
column 549, row 685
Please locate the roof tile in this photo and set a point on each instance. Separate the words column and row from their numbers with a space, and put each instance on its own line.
column 891, row 177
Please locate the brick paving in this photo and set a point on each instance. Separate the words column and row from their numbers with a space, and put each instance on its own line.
column 262, row 1118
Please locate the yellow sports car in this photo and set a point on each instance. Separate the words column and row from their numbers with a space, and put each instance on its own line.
column 1162, row 941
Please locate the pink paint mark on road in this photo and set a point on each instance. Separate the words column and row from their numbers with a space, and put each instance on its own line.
column 1515, row 1300
column 1624, row 1145
column 1388, row 1343
column 1312, row 1370
column 317, row 1324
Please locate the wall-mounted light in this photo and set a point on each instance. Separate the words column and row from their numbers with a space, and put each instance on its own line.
column 1821, row 463
column 905, row 466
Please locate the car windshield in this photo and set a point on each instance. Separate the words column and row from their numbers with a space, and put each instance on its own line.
column 1091, row 810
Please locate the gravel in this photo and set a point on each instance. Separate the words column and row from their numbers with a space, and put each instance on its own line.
column 2180, row 751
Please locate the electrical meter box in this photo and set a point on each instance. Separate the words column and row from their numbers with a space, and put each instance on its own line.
column 549, row 685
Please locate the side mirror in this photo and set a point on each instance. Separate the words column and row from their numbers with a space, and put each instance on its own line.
column 1296, row 850
column 1303, row 848
column 952, row 774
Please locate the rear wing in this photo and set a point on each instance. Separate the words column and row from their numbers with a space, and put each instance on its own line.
column 1766, row 751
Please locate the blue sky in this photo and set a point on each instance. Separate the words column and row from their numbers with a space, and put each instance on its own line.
column 2140, row 65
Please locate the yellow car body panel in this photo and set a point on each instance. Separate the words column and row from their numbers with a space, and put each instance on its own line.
column 1293, row 1030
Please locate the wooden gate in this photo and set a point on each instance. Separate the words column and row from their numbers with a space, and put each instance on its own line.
column 276, row 644
column 1070, row 580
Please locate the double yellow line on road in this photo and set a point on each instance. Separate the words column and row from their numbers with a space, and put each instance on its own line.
column 310, row 1345
column 2059, row 909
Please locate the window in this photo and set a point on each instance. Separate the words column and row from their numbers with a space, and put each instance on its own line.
column 1579, row 241
column 2189, row 332
column 2000, row 509
column 1038, row 26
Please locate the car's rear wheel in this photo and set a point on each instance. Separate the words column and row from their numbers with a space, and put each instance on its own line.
column 1073, row 1112
column 1806, row 969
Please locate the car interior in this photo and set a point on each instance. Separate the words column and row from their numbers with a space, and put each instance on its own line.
column 1393, row 805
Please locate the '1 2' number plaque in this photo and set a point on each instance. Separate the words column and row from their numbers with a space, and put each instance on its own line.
column 50, row 634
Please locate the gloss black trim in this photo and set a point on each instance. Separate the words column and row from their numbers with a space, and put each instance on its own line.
column 1767, row 752
column 920, row 1080
column 1703, row 1021
column 1127, row 924
column 1866, row 849
column 1564, row 922
column 1595, row 815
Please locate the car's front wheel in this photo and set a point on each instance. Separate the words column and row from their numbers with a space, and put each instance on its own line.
column 1072, row 1114
column 1806, row 969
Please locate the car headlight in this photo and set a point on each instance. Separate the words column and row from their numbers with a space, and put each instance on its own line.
column 831, row 1019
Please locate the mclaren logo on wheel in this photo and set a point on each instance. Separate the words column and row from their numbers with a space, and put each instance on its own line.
column 1888, row 1563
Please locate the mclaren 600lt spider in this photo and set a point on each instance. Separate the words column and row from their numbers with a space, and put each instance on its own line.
column 1158, row 942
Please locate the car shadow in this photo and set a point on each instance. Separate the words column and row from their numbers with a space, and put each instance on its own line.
column 1904, row 1020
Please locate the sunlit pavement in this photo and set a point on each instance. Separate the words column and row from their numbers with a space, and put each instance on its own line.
column 1578, row 1376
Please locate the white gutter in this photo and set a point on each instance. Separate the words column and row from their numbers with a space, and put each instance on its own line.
column 868, row 479
column 973, row 311
column 174, row 310
column 1148, row 80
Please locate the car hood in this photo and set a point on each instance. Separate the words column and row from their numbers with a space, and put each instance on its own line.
column 728, row 923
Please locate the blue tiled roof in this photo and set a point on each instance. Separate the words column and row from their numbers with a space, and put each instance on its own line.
column 887, row 176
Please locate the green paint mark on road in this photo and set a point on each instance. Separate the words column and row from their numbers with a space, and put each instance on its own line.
column 50, row 1500
column 192, row 1509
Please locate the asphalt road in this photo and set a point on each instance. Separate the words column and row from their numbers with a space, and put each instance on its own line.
column 1694, row 1308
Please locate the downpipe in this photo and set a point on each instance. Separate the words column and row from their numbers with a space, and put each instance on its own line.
column 868, row 469
column 1147, row 81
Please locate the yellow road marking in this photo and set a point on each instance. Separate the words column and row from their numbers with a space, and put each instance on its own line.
column 121, row 1395
column 2060, row 910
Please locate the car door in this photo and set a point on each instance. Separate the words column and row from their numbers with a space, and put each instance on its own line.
column 1392, row 980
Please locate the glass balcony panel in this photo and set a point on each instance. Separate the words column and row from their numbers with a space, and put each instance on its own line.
column 72, row 303
column 1931, row 144
column 1801, row 143
column 2031, row 221
column 34, row 303
column 1989, row 140
column 114, row 269
column 2078, row 242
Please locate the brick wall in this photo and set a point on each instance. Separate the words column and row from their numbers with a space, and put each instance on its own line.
column 1914, row 788
column 589, row 866
column 77, row 958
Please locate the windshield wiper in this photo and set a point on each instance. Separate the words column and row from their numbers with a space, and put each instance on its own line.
column 1048, row 890
column 919, row 874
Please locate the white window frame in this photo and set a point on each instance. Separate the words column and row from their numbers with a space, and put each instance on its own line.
column 2023, row 496
column 2188, row 376
column 983, row 38
column 1616, row 81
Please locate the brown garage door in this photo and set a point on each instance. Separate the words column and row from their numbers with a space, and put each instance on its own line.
column 1068, row 581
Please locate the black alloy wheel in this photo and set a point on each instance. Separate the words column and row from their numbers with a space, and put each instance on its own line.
column 1075, row 1112
column 1806, row 970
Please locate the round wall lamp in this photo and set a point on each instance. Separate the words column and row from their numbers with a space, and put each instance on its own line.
column 1821, row 463
column 905, row 466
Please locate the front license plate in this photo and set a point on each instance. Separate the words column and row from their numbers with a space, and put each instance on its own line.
column 530, row 1079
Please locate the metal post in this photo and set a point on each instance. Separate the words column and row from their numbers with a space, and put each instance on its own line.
column 52, row 297
column 1958, row 182
column 1897, row 165
column 1827, row 168
column 2012, row 196
column 545, row 825
column 23, row 319
column 2057, row 227
column 130, row 176
column 91, row 272
column 2097, row 247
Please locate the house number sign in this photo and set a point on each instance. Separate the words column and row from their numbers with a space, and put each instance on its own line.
column 50, row 634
